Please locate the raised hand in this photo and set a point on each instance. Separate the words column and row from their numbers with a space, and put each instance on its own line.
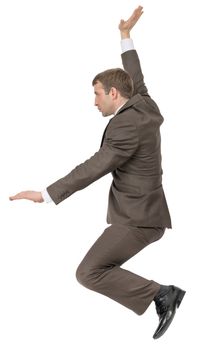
column 29, row 195
column 126, row 26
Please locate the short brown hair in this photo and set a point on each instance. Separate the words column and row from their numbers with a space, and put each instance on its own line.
column 117, row 78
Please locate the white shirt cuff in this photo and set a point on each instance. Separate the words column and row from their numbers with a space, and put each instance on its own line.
column 127, row 45
column 46, row 197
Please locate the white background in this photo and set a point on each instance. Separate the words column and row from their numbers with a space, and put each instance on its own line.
column 50, row 52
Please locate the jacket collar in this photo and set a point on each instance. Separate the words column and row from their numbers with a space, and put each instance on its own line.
column 135, row 99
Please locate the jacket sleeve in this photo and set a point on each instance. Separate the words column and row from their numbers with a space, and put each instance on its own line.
column 131, row 64
column 120, row 143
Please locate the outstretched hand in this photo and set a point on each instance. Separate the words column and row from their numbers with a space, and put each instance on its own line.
column 29, row 195
column 126, row 26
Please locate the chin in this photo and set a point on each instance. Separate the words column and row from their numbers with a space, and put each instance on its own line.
column 106, row 114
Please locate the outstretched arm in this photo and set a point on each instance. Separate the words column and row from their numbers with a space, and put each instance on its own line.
column 130, row 58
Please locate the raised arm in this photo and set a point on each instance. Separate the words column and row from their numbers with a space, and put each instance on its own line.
column 130, row 58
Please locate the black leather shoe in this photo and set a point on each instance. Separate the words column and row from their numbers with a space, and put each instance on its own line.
column 167, row 301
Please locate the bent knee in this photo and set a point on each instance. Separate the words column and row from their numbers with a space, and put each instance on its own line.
column 85, row 276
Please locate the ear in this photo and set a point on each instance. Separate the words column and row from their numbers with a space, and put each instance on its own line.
column 114, row 93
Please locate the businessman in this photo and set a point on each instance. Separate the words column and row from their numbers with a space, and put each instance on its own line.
column 137, row 211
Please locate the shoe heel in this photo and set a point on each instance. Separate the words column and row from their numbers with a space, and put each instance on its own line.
column 180, row 297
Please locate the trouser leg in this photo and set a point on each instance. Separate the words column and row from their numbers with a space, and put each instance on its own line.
column 100, row 269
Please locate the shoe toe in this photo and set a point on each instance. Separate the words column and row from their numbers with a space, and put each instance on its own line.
column 164, row 323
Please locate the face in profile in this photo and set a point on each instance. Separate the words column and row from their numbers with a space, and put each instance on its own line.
column 103, row 101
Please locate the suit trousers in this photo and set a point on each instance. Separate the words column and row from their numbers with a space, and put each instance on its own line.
column 101, row 271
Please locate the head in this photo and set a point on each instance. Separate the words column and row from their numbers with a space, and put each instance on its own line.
column 112, row 88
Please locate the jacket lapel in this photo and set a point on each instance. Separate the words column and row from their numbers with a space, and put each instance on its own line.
column 104, row 133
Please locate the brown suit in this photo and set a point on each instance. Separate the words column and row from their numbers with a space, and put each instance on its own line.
column 130, row 150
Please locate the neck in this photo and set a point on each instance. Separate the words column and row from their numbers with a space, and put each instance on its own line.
column 119, row 104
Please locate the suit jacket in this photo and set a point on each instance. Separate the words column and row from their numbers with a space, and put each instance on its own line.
column 130, row 150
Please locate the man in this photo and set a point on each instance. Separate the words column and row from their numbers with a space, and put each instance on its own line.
column 137, row 211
